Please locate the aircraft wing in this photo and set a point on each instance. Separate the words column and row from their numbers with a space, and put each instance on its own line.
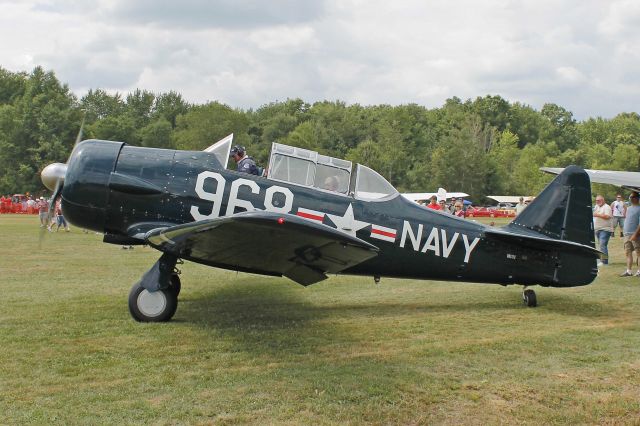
column 514, row 199
column 630, row 180
column 266, row 243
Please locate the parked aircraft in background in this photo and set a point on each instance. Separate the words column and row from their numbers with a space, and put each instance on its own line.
column 628, row 180
column 424, row 197
column 188, row 205
column 510, row 199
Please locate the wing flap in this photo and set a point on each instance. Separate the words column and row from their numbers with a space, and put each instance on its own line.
column 266, row 243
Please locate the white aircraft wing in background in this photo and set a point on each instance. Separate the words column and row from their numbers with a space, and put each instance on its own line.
column 442, row 194
column 629, row 180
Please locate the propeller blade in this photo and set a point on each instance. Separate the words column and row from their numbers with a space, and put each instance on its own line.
column 79, row 137
column 51, row 212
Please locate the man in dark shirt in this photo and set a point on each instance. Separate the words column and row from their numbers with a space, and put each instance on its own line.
column 244, row 162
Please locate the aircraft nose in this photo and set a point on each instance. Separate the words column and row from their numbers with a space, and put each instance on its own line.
column 52, row 174
column 86, row 187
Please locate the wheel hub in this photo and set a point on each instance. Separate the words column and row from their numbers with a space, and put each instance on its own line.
column 151, row 304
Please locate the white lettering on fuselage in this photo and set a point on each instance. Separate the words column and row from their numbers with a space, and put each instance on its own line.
column 215, row 197
column 234, row 200
column 437, row 241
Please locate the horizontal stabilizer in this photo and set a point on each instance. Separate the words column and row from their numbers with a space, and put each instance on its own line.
column 537, row 241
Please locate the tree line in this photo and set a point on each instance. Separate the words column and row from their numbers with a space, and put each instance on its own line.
column 483, row 146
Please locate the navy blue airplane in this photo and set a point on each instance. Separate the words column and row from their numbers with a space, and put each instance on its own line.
column 309, row 216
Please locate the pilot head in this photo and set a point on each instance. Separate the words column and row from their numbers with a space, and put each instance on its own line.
column 237, row 152
column 331, row 183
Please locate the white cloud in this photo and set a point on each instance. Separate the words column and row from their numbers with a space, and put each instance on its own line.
column 248, row 53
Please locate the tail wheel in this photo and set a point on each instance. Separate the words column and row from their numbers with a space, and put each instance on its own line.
column 529, row 298
column 156, row 306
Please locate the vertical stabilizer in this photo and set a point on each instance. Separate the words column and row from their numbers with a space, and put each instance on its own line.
column 562, row 210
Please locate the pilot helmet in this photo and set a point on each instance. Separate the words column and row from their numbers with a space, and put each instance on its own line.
column 237, row 149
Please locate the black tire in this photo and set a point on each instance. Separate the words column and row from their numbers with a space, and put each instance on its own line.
column 175, row 285
column 529, row 298
column 157, row 306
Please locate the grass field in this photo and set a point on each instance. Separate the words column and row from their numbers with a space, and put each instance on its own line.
column 252, row 349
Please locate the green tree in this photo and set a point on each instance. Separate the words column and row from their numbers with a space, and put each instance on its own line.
column 39, row 128
column 169, row 106
column 206, row 124
column 156, row 134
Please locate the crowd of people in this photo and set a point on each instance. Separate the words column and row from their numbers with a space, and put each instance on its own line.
column 625, row 217
column 454, row 207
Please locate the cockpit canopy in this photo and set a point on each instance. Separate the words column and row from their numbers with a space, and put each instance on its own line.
column 308, row 168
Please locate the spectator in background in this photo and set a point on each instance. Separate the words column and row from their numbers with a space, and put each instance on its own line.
column 434, row 203
column 452, row 205
column 458, row 209
column 60, row 218
column 520, row 206
column 43, row 209
column 31, row 205
column 443, row 206
column 619, row 211
column 630, row 234
column 603, row 226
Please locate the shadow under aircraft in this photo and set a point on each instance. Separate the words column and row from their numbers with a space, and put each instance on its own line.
column 310, row 215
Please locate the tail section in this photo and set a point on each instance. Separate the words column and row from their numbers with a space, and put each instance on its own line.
column 558, row 227
column 562, row 210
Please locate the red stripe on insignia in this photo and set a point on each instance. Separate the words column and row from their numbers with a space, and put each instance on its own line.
column 380, row 232
column 310, row 214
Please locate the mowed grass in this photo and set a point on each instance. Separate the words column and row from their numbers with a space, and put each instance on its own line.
column 250, row 349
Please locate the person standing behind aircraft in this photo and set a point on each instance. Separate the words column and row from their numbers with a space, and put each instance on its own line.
column 244, row 162
column 434, row 203
column 603, row 226
column 520, row 206
column 619, row 209
column 630, row 232
column 43, row 209
column 458, row 209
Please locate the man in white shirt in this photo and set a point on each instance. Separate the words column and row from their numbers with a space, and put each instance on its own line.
column 602, row 224
column 619, row 211
column 520, row 206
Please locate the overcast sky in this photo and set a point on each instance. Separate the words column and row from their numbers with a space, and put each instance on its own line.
column 583, row 55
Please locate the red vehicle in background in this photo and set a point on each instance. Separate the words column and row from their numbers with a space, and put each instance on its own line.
column 489, row 212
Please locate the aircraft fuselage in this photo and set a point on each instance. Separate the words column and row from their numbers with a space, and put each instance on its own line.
column 125, row 191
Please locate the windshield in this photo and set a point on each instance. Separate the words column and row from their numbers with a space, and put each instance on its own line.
column 308, row 168
column 371, row 186
column 290, row 169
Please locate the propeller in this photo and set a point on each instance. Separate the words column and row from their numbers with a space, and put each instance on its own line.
column 53, row 178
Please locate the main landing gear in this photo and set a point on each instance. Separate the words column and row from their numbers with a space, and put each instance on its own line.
column 155, row 297
column 529, row 298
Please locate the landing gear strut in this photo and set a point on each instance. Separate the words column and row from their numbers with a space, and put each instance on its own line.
column 529, row 298
column 155, row 297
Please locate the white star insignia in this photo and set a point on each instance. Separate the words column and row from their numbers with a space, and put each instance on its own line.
column 348, row 223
